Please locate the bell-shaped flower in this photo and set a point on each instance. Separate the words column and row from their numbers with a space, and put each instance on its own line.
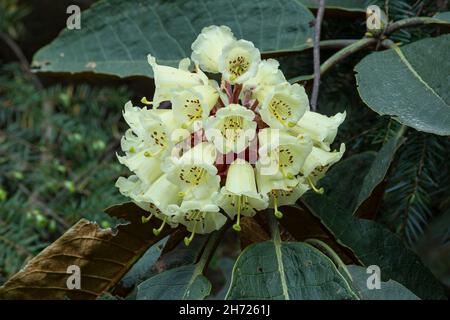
column 268, row 182
column 149, row 131
column 231, row 129
column 282, row 153
column 239, row 61
column 132, row 116
column 194, row 104
column 131, row 187
column 287, row 196
column 168, row 78
column 158, row 127
column 282, row 106
column 318, row 162
column 268, row 75
column 321, row 128
column 158, row 197
column 146, row 168
column 240, row 196
column 199, row 216
column 194, row 172
column 208, row 46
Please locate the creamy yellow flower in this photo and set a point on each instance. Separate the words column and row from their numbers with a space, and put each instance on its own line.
column 267, row 76
column 167, row 78
column 231, row 129
column 148, row 169
column 287, row 196
column 194, row 172
column 131, row 187
column 320, row 128
column 282, row 153
column 239, row 61
column 208, row 46
column 191, row 105
column 283, row 106
column 240, row 196
column 319, row 161
column 158, row 197
column 199, row 216
column 175, row 154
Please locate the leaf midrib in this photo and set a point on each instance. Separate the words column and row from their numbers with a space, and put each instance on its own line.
column 279, row 255
column 416, row 74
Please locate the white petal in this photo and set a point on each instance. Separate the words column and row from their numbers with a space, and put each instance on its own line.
column 148, row 169
column 283, row 105
column 289, row 197
column 268, row 75
column 231, row 129
column 199, row 216
column 194, row 173
column 167, row 78
column 319, row 161
column 280, row 151
column 208, row 46
column 239, row 61
column 241, row 178
column 161, row 194
column 193, row 104
column 321, row 128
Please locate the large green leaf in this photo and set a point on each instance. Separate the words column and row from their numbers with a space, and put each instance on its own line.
column 410, row 83
column 141, row 269
column 346, row 5
column 116, row 35
column 347, row 177
column 182, row 283
column 286, row 270
column 443, row 16
column 378, row 170
column 373, row 244
column 390, row 290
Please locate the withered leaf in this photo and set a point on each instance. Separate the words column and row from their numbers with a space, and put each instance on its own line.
column 103, row 256
column 302, row 225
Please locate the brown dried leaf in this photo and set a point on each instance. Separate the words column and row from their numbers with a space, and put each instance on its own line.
column 302, row 225
column 103, row 255
column 251, row 232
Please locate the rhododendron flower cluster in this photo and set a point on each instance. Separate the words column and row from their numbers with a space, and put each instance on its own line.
column 202, row 150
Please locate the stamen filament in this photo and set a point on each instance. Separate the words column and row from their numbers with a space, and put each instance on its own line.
column 146, row 219
column 149, row 154
column 311, row 184
column 145, row 101
column 187, row 240
column 237, row 226
column 288, row 175
column 276, row 212
column 156, row 232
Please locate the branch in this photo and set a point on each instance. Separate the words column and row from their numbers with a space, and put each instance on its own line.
column 412, row 22
column 317, row 30
column 22, row 59
column 324, row 44
column 346, row 52
column 338, row 57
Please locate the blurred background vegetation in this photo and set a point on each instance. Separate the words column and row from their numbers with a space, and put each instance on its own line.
column 59, row 135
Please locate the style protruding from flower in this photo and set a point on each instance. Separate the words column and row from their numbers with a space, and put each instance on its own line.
column 203, row 151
